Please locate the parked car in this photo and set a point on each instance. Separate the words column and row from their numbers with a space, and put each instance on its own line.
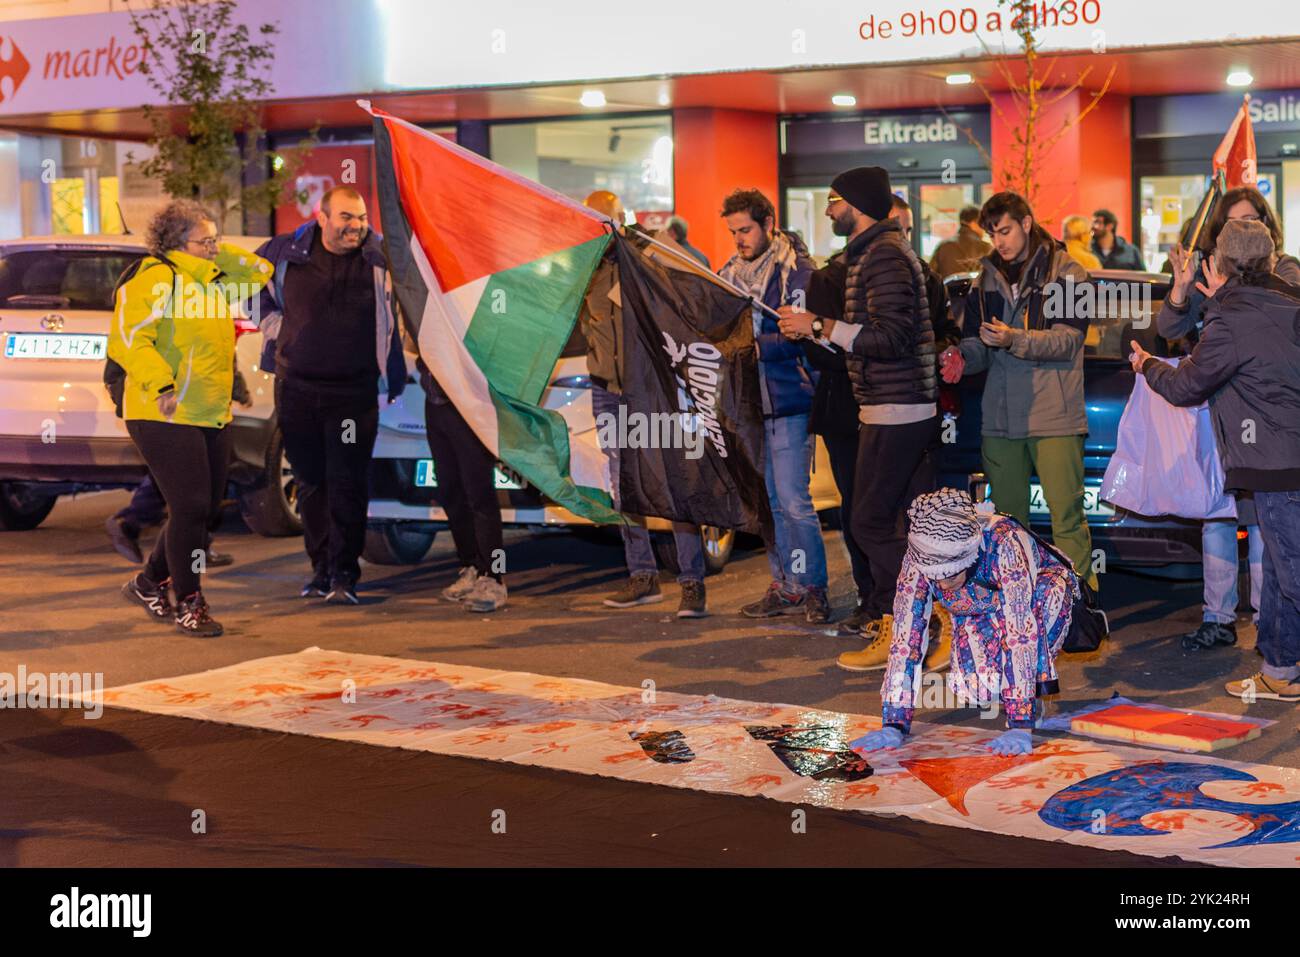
column 59, row 433
column 405, row 514
column 1127, row 538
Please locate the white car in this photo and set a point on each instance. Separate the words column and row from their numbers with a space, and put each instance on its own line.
column 405, row 515
column 59, row 433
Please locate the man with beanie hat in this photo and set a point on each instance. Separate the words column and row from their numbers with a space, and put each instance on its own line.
column 888, row 340
column 1245, row 365
column 1011, row 599
column 773, row 266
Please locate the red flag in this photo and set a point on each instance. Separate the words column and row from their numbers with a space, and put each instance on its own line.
column 1235, row 157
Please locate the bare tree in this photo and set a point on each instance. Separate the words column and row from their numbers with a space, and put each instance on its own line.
column 211, row 72
column 1031, row 96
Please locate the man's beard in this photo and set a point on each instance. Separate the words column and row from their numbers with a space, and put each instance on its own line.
column 751, row 256
column 842, row 225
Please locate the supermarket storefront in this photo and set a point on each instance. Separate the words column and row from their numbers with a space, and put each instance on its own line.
column 663, row 113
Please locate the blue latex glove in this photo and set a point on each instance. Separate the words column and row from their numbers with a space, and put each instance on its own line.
column 1012, row 741
column 884, row 738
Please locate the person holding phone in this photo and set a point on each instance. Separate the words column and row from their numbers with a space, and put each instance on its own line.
column 1035, row 416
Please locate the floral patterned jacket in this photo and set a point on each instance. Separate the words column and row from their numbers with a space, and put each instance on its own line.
column 1010, row 619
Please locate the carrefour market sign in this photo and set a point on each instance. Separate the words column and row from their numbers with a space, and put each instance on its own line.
column 351, row 47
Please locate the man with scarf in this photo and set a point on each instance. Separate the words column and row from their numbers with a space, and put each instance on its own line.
column 774, row 267
column 1035, row 418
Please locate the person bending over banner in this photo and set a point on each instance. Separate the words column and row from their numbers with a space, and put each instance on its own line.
column 1011, row 599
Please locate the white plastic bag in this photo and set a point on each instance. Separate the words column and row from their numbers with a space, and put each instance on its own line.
column 1166, row 460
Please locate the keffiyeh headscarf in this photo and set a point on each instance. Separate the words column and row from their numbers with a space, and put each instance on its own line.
column 945, row 534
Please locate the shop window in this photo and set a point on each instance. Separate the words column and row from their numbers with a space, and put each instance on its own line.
column 1169, row 201
column 629, row 156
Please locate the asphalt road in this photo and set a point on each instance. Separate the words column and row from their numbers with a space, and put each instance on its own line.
column 60, row 611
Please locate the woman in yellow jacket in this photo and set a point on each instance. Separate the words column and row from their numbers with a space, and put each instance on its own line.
column 174, row 334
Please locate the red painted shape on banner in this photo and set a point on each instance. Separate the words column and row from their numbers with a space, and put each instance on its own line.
column 951, row 778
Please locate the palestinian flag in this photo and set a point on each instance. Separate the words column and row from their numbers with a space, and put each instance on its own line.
column 490, row 269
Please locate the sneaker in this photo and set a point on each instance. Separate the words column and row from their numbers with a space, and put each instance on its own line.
column 152, row 598
column 125, row 539
column 218, row 559
column 876, row 655
column 641, row 589
column 776, row 601
column 463, row 585
column 343, row 591
column 1208, row 635
column 192, row 617
column 488, row 594
column 940, row 650
column 318, row 587
column 817, row 606
column 855, row 622
column 1259, row 685
column 692, row 603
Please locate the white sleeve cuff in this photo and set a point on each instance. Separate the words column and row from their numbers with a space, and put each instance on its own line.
column 844, row 333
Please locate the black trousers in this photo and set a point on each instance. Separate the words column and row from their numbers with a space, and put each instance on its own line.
column 896, row 463
column 189, row 465
column 843, row 452
column 329, row 439
column 464, row 469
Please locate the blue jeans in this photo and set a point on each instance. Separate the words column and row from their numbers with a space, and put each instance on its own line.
column 637, row 550
column 1220, row 564
column 796, row 556
column 1279, row 613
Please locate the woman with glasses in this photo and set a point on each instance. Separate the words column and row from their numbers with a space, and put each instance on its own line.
column 173, row 332
column 1182, row 316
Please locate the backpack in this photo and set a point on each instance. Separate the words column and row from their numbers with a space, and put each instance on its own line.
column 1089, row 625
column 114, row 374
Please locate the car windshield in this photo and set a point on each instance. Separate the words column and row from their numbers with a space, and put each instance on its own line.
column 67, row 278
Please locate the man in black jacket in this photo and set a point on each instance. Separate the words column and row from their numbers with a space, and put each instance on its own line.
column 334, row 345
column 889, row 345
column 1245, row 365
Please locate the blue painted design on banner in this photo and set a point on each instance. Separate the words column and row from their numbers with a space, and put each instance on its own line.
column 1128, row 794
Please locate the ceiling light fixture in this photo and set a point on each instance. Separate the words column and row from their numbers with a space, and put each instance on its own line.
column 592, row 99
column 844, row 99
column 1240, row 78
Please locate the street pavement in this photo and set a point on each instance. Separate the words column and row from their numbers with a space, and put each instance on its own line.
column 60, row 610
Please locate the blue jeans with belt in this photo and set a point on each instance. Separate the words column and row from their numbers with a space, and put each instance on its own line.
column 797, row 555
column 637, row 549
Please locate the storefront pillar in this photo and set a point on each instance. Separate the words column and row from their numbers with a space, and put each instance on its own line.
column 716, row 151
column 1090, row 167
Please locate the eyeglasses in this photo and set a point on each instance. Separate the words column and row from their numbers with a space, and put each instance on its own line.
column 208, row 242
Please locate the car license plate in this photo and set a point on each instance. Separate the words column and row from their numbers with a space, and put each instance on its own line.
column 506, row 477
column 46, row 345
column 1092, row 503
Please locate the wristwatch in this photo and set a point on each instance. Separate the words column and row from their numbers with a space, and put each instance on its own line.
column 817, row 326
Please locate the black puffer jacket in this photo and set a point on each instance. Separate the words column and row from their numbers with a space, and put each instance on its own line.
column 892, row 361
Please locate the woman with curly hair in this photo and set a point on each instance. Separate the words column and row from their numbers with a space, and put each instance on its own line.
column 173, row 333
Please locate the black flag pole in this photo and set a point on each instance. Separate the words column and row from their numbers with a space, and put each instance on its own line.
column 1208, row 202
